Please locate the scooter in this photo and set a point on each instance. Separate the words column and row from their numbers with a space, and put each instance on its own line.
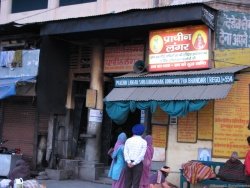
column 2, row 148
column 5, row 150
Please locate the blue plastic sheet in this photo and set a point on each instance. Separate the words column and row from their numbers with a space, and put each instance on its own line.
column 8, row 85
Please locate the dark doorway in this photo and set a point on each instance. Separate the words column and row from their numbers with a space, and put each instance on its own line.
column 133, row 118
column 80, row 117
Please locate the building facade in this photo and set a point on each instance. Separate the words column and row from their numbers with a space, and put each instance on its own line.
column 84, row 45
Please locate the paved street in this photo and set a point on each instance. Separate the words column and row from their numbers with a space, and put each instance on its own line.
column 72, row 184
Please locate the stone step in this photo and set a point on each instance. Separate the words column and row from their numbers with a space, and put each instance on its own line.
column 55, row 174
column 106, row 171
column 104, row 180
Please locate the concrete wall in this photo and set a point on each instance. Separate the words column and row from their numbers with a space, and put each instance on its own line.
column 179, row 153
column 54, row 12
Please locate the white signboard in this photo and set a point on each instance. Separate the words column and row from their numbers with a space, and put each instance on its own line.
column 204, row 154
column 142, row 117
column 95, row 115
column 159, row 154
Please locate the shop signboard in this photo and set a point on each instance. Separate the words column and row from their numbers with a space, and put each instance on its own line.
column 209, row 79
column 233, row 30
column 232, row 57
column 118, row 59
column 231, row 119
column 181, row 48
column 95, row 115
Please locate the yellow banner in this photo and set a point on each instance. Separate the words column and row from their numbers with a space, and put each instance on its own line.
column 205, row 122
column 232, row 57
column 231, row 117
column 160, row 135
column 187, row 128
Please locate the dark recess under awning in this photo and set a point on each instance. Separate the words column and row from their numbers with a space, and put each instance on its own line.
column 135, row 18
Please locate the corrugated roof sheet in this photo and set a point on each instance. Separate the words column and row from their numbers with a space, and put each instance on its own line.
column 232, row 69
column 169, row 93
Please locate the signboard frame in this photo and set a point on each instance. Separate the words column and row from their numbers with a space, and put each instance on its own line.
column 182, row 48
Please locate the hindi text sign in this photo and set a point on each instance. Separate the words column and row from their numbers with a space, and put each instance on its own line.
column 233, row 30
column 122, row 58
column 205, row 122
column 181, row 48
column 231, row 118
column 187, row 128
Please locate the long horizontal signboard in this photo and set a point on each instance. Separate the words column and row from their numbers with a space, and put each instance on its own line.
column 175, row 80
column 119, row 59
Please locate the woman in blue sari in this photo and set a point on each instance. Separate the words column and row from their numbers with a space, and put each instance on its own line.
column 116, row 172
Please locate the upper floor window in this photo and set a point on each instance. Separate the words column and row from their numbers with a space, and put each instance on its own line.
column 72, row 2
column 28, row 5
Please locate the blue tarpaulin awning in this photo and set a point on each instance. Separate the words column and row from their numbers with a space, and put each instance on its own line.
column 8, row 85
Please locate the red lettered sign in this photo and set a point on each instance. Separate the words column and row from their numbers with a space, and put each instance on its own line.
column 179, row 49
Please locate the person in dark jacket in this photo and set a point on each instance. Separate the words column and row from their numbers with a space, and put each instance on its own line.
column 233, row 170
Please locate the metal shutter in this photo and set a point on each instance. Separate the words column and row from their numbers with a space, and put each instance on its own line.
column 19, row 124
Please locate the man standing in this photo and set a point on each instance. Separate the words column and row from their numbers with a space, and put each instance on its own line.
column 134, row 151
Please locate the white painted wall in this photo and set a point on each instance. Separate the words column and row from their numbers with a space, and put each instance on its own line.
column 179, row 153
column 54, row 12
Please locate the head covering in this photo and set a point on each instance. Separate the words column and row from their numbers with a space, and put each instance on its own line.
column 122, row 137
column 234, row 155
column 138, row 129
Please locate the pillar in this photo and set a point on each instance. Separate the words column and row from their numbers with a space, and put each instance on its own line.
column 92, row 152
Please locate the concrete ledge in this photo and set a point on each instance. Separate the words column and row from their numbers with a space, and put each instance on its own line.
column 55, row 174
column 90, row 171
column 70, row 164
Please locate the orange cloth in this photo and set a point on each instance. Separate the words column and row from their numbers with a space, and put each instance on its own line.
column 195, row 171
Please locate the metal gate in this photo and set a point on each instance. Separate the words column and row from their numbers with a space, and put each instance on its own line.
column 19, row 124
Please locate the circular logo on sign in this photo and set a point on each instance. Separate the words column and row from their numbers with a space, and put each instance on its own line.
column 156, row 44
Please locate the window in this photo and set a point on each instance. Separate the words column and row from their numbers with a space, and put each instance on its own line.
column 72, row 2
column 28, row 5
